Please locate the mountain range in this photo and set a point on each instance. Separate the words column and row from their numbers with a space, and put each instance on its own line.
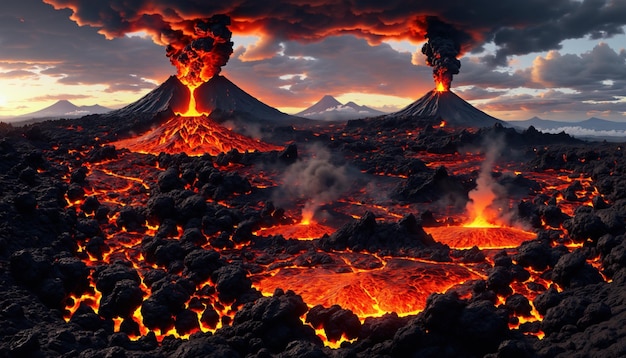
column 60, row 109
column 329, row 108
column 593, row 123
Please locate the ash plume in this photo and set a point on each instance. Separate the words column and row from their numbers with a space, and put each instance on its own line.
column 200, row 53
column 441, row 50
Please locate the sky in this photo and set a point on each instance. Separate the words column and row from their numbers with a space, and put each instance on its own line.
column 556, row 59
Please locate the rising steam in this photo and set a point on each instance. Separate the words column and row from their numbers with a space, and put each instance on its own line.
column 441, row 50
column 316, row 181
column 199, row 54
column 487, row 191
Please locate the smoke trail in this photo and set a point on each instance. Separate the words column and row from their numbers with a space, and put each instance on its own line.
column 316, row 181
column 486, row 192
column 441, row 50
column 200, row 55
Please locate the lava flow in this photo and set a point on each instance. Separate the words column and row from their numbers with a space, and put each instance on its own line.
column 194, row 136
column 307, row 228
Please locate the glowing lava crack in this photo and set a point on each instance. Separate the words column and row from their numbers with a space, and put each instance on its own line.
column 194, row 136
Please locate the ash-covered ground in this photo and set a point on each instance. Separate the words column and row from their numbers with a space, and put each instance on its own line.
column 170, row 247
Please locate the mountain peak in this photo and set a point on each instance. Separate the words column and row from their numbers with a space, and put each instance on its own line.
column 329, row 108
column 449, row 107
column 60, row 109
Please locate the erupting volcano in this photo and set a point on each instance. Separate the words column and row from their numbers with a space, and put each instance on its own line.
column 198, row 99
column 441, row 105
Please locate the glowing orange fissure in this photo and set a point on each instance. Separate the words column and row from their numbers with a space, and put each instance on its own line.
column 366, row 292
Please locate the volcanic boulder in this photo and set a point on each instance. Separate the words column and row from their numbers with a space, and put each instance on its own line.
column 406, row 236
column 275, row 320
column 431, row 186
column 337, row 322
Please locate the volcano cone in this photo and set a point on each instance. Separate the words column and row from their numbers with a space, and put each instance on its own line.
column 446, row 106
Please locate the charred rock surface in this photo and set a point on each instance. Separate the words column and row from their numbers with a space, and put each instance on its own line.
column 200, row 260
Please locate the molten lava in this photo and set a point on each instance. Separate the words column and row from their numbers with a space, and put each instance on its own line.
column 483, row 237
column 307, row 229
column 194, row 136
column 398, row 285
column 441, row 87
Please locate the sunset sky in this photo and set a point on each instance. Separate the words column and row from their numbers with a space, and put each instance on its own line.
column 556, row 59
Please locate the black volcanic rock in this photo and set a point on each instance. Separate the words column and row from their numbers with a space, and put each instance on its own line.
column 405, row 236
column 231, row 282
column 224, row 100
column 122, row 301
column 572, row 270
column 585, row 226
column 431, row 186
column 336, row 321
column 276, row 320
column 171, row 95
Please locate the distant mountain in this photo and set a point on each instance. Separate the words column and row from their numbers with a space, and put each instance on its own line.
column 445, row 106
column 61, row 109
column 218, row 97
column 328, row 108
column 592, row 124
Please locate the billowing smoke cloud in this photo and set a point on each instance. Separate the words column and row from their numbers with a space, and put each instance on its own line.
column 442, row 49
column 201, row 55
column 315, row 181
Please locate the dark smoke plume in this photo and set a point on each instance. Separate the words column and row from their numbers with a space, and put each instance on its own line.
column 200, row 55
column 441, row 50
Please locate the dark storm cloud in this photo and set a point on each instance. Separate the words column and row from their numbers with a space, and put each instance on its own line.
column 479, row 74
column 516, row 27
column 593, row 18
column 585, row 71
column 476, row 93
column 34, row 38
